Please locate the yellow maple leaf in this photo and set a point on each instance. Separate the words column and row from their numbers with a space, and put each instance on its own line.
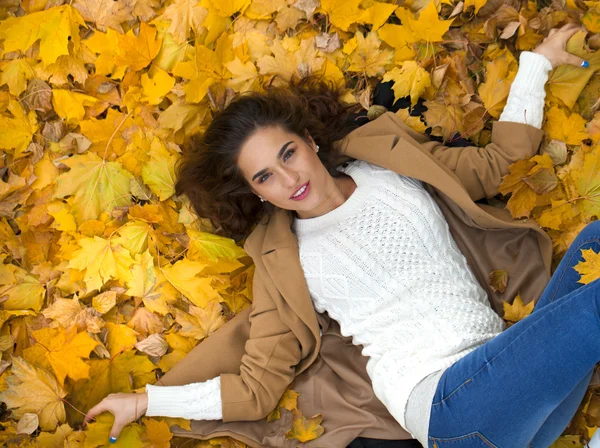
column 64, row 349
column 94, row 184
column 368, row 58
column 63, row 436
column 69, row 312
column 157, row 433
column 427, row 26
column 477, row 4
column 445, row 121
column 567, row 81
column 587, row 182
column 289, row 401
column 34, row 390
column 409, row 79
column 227, row 8
column 97, row 433
column 205, row 68
column 400, row 38
column 156, row 84
column 185, row 15
column 137, row 52
column 244, row 75
column 16, row 131
column 70, row 105
column 159, row 172
column 133, row 236
column 377, row 14
column 570, row 130
column 517, row 310
column 53, row 27
column 341, row 13
column 305, row 429
column 589, row 267
column 124, row 372
column 199, row 323
column 104, row 301
column 211, row 247
column 413, row 122
column 105, row 13
column 144, row 283
column 101, row 261
column 499, row 75
column 120, row 338
column 182, row 275
column 25, row 292
column 106, row 46
column 16, row 74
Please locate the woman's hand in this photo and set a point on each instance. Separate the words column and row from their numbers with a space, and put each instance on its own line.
column 126, row 408
column 554, row 47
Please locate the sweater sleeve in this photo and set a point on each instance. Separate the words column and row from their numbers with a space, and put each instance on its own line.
column 195, row 401
column 525, row 103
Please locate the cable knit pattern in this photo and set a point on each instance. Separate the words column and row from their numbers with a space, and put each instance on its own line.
column 426, row 324
column 525, row 103
column 195, row 401
column 385, row 266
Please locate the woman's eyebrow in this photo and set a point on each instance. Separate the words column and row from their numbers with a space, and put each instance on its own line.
column 279, row 154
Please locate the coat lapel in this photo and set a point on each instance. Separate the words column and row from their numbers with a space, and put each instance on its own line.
column 282, row 260
column 279, row 250
column 424, row 167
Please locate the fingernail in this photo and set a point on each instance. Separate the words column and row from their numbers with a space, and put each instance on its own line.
column 585, row 64
column 112, row 439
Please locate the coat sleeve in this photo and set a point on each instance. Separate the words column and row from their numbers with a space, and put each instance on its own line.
column 268, row 366
column 480, row 170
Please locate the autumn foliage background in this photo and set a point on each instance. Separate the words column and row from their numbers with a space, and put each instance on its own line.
column 107, row 279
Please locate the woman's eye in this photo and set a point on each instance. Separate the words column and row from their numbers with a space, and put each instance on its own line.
column 288, row 154
column 262, row 178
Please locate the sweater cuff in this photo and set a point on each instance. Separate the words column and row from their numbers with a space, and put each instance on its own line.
column 525, row 102
column 533, row 71
column 195, row 401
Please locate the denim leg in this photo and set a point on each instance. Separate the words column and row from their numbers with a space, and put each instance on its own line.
column 509, row 387
column 564, row 280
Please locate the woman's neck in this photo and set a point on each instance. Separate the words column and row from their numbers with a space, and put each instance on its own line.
column 345, row 186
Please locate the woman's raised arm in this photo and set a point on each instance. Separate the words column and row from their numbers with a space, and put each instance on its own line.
column 517, row 134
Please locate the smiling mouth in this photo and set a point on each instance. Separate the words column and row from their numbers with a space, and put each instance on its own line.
column 299, row 191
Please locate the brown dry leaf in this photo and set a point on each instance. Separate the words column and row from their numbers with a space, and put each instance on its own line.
column 498, row 280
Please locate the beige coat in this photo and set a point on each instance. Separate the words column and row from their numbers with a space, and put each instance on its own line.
column 262, row 350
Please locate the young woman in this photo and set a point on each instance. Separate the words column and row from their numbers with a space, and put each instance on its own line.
column 400, row 261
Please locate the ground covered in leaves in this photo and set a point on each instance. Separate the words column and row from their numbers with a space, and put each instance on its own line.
column 106, row 277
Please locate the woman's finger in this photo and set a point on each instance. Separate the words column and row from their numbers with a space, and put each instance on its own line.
column 95, row 410
column 575, row 60
column 569, row 26
column 116, row 430
column 571, row 31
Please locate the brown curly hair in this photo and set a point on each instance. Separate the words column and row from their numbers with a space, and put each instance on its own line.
column 207, row 172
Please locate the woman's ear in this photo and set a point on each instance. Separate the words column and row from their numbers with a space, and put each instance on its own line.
column 311, row 141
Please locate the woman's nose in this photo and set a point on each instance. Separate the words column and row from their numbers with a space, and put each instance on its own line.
column 289, row 178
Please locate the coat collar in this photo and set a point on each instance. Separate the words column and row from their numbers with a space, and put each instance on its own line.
column 403, row 157
column 396, row 153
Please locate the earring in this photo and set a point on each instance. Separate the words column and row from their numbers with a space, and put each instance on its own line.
column 261, row 199
column 317, row 148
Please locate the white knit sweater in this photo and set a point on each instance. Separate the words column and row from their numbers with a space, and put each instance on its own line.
column 424, row 309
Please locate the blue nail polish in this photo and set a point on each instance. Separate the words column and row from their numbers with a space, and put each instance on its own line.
column 585, row 64
column 112, row 439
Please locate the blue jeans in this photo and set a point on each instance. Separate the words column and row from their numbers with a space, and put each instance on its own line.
column 522, row 388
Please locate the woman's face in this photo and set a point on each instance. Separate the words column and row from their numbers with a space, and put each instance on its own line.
column 278, row 165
